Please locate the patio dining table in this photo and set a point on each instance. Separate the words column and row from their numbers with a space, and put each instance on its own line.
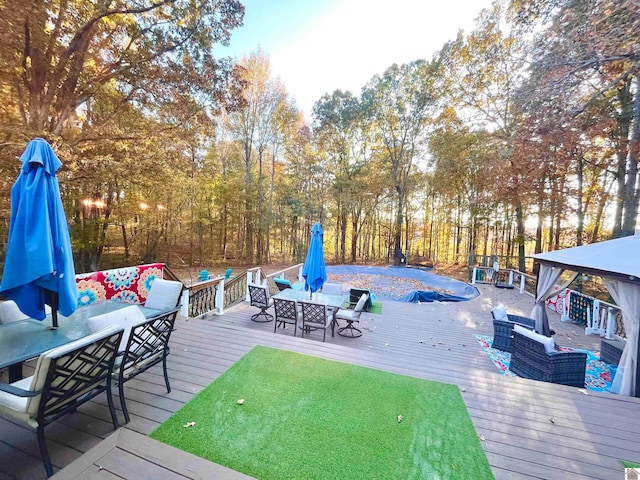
column 26, row 339
column 333, row 301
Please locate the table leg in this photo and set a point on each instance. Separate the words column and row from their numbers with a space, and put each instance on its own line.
column 334, row 322
column 15, row 372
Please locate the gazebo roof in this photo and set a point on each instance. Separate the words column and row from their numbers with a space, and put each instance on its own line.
column 618, row 258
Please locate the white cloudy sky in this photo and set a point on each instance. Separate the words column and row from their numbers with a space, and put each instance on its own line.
column 317, row 46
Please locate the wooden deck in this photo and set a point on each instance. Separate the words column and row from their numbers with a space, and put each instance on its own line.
column 528, row 429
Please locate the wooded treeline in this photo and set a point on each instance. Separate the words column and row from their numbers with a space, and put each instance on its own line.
column 173, row 154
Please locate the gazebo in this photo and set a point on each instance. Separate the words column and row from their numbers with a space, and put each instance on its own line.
column 618, row 263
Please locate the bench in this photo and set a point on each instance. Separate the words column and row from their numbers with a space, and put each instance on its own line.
column 128, row 454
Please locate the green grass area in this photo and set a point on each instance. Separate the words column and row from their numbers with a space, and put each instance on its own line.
column 305, row 417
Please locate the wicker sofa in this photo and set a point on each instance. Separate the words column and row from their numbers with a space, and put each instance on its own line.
column 529, row 359
column 503, row 330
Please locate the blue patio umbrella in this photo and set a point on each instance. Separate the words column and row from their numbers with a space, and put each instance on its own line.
column 38, row 267
column 314, row 270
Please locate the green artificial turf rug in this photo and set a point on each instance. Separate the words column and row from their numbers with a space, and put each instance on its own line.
column 376, row 307
column 277, row 414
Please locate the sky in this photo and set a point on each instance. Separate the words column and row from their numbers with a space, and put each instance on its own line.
column 318, row 46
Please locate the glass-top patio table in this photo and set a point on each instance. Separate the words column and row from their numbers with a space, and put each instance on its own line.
column 333, row 301
column 26, row 339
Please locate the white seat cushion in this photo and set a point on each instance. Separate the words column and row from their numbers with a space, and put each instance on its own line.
column 9, row 312
column 164, row 294
column 346, row 314
column 126, row 318
column 548, row 342
column 13, row 402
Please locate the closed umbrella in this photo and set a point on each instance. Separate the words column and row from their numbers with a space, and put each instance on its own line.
column 314, row 270
column 38, row 268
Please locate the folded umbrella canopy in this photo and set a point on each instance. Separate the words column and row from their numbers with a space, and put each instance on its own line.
column 314, row 270
column 38, row 268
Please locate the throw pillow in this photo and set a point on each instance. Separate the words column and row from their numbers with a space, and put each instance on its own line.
column 500, row 312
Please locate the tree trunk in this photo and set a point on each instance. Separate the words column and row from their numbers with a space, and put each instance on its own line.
column 397, row 230
column 624, row 125
column 631, row 195
column 580, row 199
column 520, row 239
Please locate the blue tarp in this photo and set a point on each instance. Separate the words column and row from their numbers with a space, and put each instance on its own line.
column 398, row 283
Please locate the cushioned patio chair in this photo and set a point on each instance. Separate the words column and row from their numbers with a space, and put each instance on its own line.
column 147, row 345
column 534, row 356
column 282, row 283
column 259, row 297
column 354, row 296
column 126, row 318
column 164, row 294
column 503, row 328
column 286, row 314
column 64, row 378
column 351, row 316
column 315, row 317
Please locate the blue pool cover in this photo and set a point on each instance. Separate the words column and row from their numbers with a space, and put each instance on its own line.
column 403, row 284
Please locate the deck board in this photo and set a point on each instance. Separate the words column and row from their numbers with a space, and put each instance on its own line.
column 586, row 437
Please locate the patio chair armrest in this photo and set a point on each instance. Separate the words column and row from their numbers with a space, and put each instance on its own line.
column 567, row 357
column 527, row 322
column 19, row 392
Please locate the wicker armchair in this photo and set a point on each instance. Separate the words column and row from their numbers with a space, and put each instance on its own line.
column 503, row 330
column 530, row 360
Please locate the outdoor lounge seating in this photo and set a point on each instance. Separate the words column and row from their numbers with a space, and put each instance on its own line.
column 286, row 314
column 315, row 316
column 259, row 297
column 147, row 345
column 534, row 356
column 503, row 328
column 283, row 284
column 354, row 296
column 503, row 331
column 351, row 316
column 64, row 378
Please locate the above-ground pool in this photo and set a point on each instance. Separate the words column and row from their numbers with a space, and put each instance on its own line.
column 402, row 284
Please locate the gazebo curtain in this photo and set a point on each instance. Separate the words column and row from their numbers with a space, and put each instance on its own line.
column 547, row 287
column 627, row 297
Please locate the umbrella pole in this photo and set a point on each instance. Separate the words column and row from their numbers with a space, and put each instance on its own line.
column 54, row 318
column 52, row 301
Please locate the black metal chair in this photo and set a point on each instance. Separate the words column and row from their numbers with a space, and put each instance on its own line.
column 529, row 359
column 315, row 317
column 259, row 296
column 354, row 296
column 64, row 378
column 351, row 316
column 286, row 314
column 147, row 346
column 503, row 330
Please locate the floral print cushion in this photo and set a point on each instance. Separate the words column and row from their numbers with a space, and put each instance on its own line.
column 128, row 284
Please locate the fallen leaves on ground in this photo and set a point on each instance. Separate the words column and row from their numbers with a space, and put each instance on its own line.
column 389, row 286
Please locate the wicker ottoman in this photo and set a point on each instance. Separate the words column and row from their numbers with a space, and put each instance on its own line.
column 611, row 350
